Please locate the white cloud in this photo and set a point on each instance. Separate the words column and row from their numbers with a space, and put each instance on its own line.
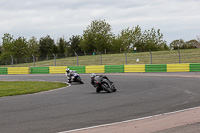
column 176, row 18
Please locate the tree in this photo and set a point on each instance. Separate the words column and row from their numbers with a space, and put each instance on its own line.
column 138, row 40
column 192, row 44
column 1, row 50
column 74, row 43
column 98, row 36
column 180, row 44
column 117, row 45
column 33, row 46
column 7, row 42
column 198, row 39
column 20, row 48
column 54, row 49
column 61, row 47
column 153, row 40
column 87, row 44
column 46, row 46
column 131, row 38
column 177, row 44
column 7, row 46
column 144, row 41
column 126, row 38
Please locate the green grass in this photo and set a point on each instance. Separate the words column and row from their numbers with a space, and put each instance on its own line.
column 158, row 57
column 11, row 88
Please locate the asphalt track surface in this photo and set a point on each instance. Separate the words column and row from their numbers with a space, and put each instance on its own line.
column 78, row 106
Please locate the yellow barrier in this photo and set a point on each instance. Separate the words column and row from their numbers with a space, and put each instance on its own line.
column 59, row 69
column 18, row 70
column 134, row 68
column 178, row 67
column 95, row 69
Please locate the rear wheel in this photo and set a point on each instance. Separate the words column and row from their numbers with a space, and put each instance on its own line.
column 79, row 80
column 98, row 89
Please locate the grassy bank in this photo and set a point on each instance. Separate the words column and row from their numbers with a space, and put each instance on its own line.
column 11, row 88
column 158, row 57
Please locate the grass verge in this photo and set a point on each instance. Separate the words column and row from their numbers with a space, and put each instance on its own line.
column 11, row 88
column 158, row 57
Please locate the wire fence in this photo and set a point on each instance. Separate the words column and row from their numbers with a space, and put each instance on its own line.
column 83, row 59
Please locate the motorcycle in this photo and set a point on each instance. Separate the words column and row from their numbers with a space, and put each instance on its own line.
column 74, row 78
column 103, row 84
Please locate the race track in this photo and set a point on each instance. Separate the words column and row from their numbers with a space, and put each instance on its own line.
column 138, row 95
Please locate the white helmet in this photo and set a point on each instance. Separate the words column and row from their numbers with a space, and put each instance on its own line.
column 67, row 70
column 92, row 75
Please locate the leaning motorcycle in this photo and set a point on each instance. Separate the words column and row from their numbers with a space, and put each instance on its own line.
column 102, row 84
column 74, row 78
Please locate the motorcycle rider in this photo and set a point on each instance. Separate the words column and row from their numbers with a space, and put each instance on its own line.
column 69, row 74
column 102, row 76
column 92, row 79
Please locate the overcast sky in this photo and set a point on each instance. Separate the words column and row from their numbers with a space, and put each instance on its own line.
column 177, row 19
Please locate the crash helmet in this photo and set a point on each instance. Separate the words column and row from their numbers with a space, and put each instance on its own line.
column 67, row 70
column 92, row 75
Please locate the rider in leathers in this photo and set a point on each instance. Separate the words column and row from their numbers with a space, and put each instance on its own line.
column 69, row 73
column 102, row 76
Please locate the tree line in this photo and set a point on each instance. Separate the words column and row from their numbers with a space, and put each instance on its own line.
column 97, row 37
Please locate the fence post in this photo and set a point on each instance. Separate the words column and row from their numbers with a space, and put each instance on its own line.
column 100, row 58
column 151, row 56
column 179, row 55
column 11, row 60
column 54, row 58
column 77, row 57
column 33, row 60
column 126, row 57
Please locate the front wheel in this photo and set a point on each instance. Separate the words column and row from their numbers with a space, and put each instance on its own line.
column 106, row 88
column 81, row 82
column 113, row 88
